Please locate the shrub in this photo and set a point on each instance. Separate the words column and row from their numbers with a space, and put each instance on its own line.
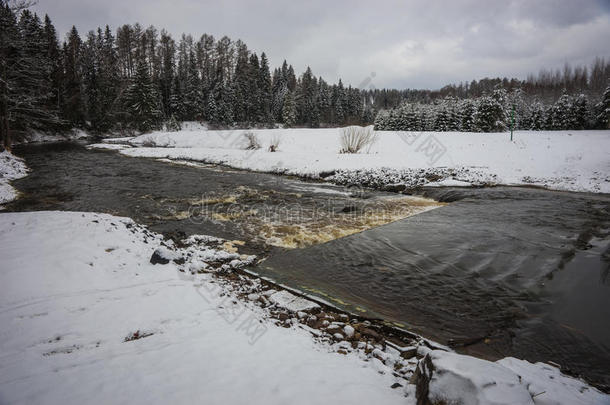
column 252, row 141
column 355, row 138
column 275, row 143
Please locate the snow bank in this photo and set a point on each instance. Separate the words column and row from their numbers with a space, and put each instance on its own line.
column 450, row 378
column 85, row 318
column 11, row 168
column 565, row 160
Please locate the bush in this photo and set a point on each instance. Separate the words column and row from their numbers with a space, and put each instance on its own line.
column 252, row 141
column 275, row 143
column 355, row 138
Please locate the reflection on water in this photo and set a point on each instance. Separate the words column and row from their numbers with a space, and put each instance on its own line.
column 515, row 271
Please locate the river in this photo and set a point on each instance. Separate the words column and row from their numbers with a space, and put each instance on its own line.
column 496, row 272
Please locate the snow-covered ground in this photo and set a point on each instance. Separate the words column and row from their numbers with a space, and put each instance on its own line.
column 11, row 168
column 564, row 160
column 86, row 318
column 69, row 303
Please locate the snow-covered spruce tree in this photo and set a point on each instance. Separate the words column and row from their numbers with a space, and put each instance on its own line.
column 73, row 107
column 241, row 84
column 490, row 115
column 441, row 120
column 602, row 110
column 561, row 113
column 264, row 85
column 211, row 109
column 538, row 117
column 109, row 82
column 176, row 101
column 467, row 110
column 381, row 119
column 580, row 113
column 289, row 111
column 142, row 101
column 193, row 97
column 225, row 105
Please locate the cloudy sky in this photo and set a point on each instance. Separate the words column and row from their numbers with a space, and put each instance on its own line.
column 415, row 44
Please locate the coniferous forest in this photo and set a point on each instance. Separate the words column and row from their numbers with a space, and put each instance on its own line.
column 140, row 79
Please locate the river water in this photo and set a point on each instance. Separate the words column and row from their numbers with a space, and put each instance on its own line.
column 495, row 272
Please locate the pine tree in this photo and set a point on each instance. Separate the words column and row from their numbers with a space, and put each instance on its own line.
column 10, row 71
column 74, row 110
column 109, row 82
column 538, row 117
column 55, row 62
column 289, row 111
column 177, row 101
column 561, row 113
column 603, row 110
column 467, row 108
column 142, row 101
column 241, row 84
column 580, row 113
column 26, row 96
column 489, row 116
column 90, row 63
column 264, row 86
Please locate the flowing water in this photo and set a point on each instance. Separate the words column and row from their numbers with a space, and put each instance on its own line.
column 495, row 272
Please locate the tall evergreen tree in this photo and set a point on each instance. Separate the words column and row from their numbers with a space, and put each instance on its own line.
column 289, row 111
column 73, row 108
column 603, row 110
column 142, row 101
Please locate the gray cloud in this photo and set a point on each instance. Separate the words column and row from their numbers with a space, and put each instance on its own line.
column 417, row 44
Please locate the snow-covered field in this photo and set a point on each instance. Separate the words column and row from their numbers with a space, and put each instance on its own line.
column 86, row 318
column 11, row 168
column 563, row 160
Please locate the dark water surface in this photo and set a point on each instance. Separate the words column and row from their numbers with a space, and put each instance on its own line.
column 498, row 271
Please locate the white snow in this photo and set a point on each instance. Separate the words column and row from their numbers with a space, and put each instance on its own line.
column 467, row 380
column 565, row 160
column 549, row 387
column 109, row 146
column 75, row 286
column 291, row 302
column 11, row 168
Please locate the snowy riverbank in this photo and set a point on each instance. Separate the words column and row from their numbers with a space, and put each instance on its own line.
column 562, row 160
column 89, row 319
column 11, row 168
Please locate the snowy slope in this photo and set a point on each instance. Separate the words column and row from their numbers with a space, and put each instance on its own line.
column 565, row 160
column 75, row 285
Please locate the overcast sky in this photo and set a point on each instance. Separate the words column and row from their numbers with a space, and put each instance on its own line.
column 415, row 44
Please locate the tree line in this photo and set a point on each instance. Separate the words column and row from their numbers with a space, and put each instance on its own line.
column 498, row 111
column 139, row 79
